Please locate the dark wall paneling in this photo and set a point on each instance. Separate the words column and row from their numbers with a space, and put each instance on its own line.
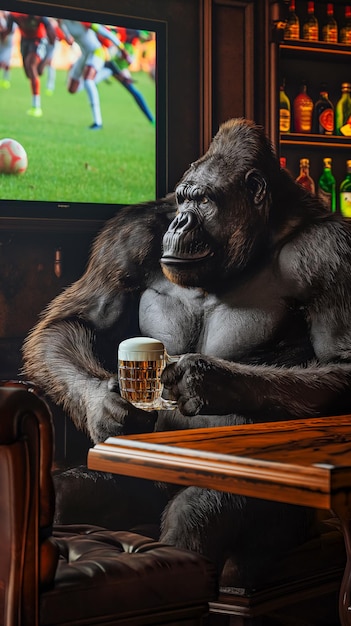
column 233, row 53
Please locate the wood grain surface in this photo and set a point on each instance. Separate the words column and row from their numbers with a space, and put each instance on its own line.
column 305, row 461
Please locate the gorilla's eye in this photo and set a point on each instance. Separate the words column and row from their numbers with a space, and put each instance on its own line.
column 204, row 200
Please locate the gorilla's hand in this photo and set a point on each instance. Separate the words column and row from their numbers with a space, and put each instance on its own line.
column 198, row 383
column 109, row 415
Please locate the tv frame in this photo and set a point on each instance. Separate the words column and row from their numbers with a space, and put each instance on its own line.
column 92, row 212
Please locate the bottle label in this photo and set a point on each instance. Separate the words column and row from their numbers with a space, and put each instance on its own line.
column 284, row 121
column 292, row 31
column 330, row 35
column 345, row 36
column 311, row 33
column 346, row 128
column 325, row 197
column 304, row 121
column 326, row 120
column 345, row 203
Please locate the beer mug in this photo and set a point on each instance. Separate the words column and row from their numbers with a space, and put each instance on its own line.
column 141, row 361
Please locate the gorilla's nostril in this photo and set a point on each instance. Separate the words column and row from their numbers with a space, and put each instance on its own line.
column 183, row 222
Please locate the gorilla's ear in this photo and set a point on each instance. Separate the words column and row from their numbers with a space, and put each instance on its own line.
column 257, row 186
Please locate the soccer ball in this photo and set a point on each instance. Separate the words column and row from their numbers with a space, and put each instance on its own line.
column 13, row 157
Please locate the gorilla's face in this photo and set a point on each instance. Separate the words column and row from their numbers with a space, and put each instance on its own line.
column 219, row 226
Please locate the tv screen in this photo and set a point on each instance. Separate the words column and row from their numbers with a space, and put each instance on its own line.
column 84, row 93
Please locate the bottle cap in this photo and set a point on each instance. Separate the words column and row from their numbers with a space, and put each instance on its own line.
column 304, row 162
column 346, row 87
column 141, row 349
column 327, row 162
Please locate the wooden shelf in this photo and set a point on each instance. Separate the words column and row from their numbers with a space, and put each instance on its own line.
column 318, row 141
column 315, row 48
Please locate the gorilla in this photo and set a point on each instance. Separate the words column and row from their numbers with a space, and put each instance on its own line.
column 244, row 274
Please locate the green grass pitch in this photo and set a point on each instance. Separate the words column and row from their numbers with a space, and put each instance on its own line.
column 67, row 162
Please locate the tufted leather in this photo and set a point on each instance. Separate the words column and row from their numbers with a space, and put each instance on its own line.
column 128, row 573
column 80, row 574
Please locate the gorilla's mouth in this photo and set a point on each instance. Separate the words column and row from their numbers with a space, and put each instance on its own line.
column 186, row 258
column 185, row 248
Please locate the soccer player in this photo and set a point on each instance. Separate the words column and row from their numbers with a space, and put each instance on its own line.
column 6, row 44
column 47, row 62
column 35, row 31
column 92, row 59
column 117, row 66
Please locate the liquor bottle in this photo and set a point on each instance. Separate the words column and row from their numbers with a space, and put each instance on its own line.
column 323, row 114
column 327, row 186
column 330, row 28
column 292, row 28
column 303, row 111
column 310, row 29
column 345, row 30
column 343, row 111
column 304, row 179
column 345, row 192
column 284, row 111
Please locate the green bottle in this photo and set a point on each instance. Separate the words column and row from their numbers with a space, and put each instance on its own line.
column 345, row 192
column 327, row 186
column 284, row 111
column 343, row 111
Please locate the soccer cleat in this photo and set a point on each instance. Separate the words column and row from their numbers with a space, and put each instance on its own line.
column 5, row 84
column 35, row 112
column 49, row 92
column 95, row 127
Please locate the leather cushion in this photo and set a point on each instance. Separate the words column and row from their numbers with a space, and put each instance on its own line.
column 117, row 573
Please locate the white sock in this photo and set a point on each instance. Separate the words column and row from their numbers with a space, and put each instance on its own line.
column 51, row 78
column 94, row 100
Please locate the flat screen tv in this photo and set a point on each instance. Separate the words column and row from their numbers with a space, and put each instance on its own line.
column 101, row 147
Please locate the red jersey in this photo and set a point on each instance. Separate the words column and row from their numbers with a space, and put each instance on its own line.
column 31, row 26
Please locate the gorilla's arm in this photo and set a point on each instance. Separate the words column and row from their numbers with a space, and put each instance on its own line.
column 205, row 385
column 315, row 270
column 71, row 354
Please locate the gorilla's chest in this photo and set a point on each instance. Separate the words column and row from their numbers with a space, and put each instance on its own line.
column 230, row 326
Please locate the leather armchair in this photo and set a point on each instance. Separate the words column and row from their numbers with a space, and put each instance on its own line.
column 79, row 574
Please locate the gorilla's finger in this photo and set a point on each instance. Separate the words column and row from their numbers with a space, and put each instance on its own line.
column 113, row 385
column 170, row 375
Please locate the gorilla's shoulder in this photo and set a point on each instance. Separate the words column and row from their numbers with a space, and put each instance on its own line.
column 130, row 243
column 320, row 254
column 156, row 214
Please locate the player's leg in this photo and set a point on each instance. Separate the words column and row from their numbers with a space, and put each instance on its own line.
column 34, row 53
column 94, row 63
column 30, row 63
column 127, row 81
column 139, row 99
column 47, row 62
column 5, row 61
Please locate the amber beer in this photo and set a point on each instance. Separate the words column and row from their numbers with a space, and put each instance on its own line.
column 141, row 361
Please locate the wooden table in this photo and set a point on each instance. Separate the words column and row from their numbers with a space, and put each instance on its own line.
column 305, row 462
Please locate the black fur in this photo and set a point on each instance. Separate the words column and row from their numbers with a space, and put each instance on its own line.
column 248, row 277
